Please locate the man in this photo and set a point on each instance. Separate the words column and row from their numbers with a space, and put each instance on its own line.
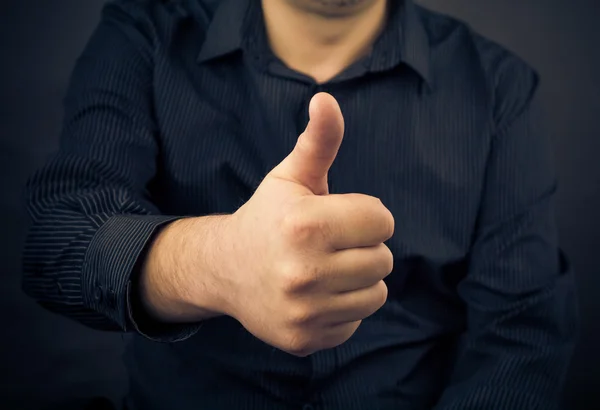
column 398, row 252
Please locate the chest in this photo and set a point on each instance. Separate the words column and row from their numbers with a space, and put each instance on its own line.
column 422, row 153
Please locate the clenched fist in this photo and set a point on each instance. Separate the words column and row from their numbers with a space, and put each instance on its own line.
column 305, row 267
column 297, row 267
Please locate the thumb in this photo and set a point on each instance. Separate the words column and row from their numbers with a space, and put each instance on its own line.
column 316, row 148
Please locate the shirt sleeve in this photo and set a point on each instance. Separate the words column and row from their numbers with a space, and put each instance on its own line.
column 91, row 205
column 519, row 290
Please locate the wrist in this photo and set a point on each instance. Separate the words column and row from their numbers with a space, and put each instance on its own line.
column 219, row 257
column 178, row 282
column 208, row 253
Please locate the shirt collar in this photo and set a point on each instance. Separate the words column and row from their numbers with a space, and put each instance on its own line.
column 224, row 33
column 404, row 39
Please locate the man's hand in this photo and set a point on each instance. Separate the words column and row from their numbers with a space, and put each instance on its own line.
column 306, row 267
column 297, row 267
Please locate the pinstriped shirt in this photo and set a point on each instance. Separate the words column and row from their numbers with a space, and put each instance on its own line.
column 179, row 108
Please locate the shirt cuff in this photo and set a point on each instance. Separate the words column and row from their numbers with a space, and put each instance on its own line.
column 109, row 268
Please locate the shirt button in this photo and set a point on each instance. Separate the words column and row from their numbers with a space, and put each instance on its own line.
column 112, row 299
column 98, row 293
column 308, row 407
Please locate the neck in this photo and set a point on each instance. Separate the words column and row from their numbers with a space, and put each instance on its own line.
column 322, row 40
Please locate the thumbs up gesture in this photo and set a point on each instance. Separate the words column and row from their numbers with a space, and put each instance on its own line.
column 307, row 267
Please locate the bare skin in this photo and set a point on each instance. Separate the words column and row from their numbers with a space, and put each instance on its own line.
column 320, row 38
column 297, row 267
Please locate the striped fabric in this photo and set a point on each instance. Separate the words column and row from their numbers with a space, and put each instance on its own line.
column 178, row 108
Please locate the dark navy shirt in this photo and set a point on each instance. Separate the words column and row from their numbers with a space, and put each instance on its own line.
column 179, row 108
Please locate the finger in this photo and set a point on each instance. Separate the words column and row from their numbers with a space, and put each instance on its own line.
column 316, row 148
column 356, row 305
column 351, row 220
column 356, row 268
column 334, row 335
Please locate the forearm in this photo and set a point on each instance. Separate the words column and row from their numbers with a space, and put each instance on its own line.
column 92, row 213
column 519, row 359
column 176, row 282
column 78, row 264
column 112, row 279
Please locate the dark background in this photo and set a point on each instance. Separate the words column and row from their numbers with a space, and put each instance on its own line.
column 46, row 358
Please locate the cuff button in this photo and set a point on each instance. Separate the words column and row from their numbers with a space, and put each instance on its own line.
column 112, row 298
column 98, row 293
